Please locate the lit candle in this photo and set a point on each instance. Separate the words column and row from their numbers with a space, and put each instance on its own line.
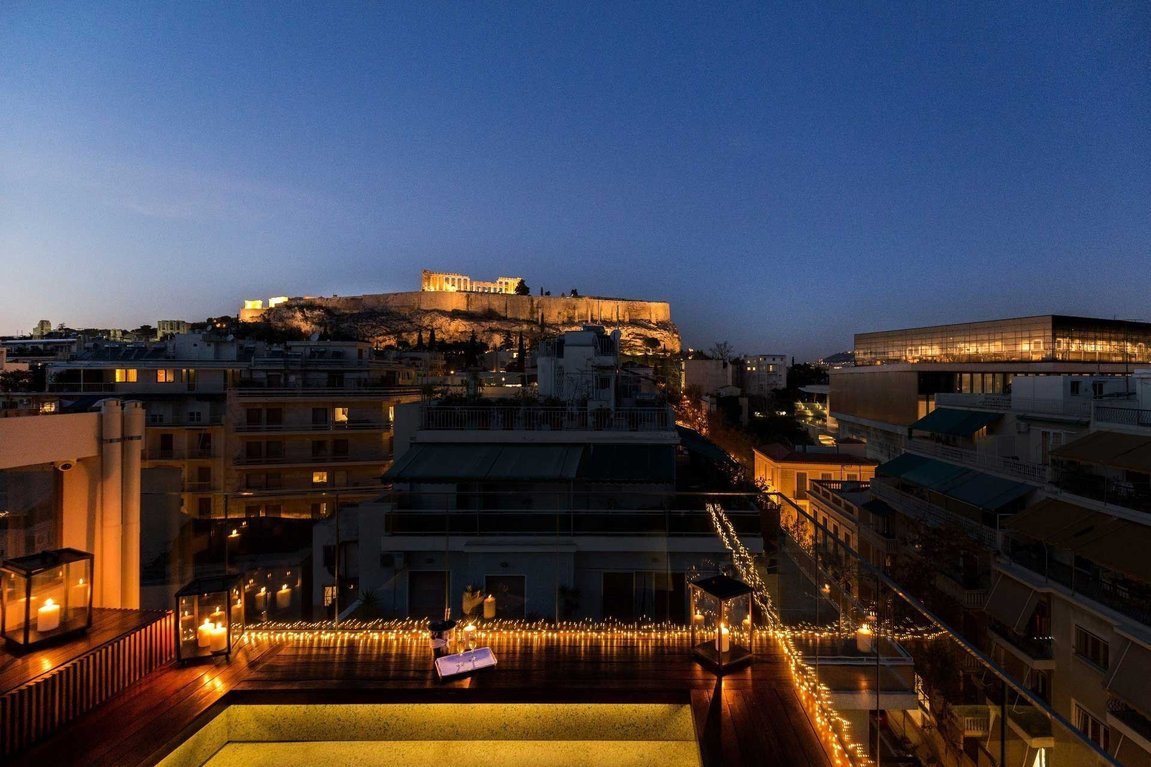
column 204, row 633
column 489, row 607
column 262, row 599
column 80, row 595
column 48, row 616
column 284, row 597
column 723, row 641
column 698, row 617
column 217, row 616
column 218, row 637
column 238, row 612
column 864, row 639
column 470, row 636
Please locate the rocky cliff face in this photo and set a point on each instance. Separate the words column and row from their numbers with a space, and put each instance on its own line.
column 386, row 325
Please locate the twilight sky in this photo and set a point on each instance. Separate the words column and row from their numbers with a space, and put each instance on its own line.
column 784, row 176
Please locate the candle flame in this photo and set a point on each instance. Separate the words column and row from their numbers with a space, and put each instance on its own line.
column 49, row 602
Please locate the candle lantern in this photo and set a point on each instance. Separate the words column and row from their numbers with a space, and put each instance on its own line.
column 45, row 596
column 209, row 617
column 722, row 626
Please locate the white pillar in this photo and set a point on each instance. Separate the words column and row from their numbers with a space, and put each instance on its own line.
column 111, row 462
column 132, row 445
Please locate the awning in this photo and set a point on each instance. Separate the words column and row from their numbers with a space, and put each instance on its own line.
column 1109, row 448
column 987, row 492
column 1011, row 603
column 473, row 463
column 628, row 463
column 1117, row 544
column 1129, row 679
column 975, row 488
column 958, row 423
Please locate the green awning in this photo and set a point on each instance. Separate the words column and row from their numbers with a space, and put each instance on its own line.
column 975, row 488
column 475, row 463
column 957, row 423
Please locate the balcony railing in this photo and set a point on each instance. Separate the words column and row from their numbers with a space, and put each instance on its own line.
column 1035, row 648
column 447, row 417
column 1130, row 495
column 161, row 454
column 970, row 595
column 1128, row 597
column 1030, row 472
column 310, row 460
column 1125, row 416
column 349, row 425
column 564, row 522
column 1009, row 403
column 250, row 390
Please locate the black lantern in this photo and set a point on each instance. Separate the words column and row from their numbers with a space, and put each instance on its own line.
column 722, row 626
column 209, row 617
column 46, row 596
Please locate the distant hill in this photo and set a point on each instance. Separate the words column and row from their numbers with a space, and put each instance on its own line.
column 397, row 318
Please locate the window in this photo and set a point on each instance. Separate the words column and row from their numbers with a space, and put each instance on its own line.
column 1075, row 387
column 1091, row 648
column 319, row 416
column 427, row 593
column 274, row 481
column 319, row 448
column 204, row 507
column 319, row 477
column 340, row 448
column 155, row 418
column 254, row 451
column 195, row 416
column 165, row 376
column 340, row 415
column 254, row 416
column 1092, row 727
column 126, row 376
column 274, row 416
column 274, row 450
column 800, row 485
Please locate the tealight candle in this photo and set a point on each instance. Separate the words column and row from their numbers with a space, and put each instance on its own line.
column 48, row 616
column 698, row 617
column 284, row 597
column 489, row 607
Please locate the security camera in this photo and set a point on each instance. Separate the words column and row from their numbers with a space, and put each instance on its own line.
column 67, row 465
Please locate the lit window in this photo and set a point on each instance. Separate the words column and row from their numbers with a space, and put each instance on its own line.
column 126, row 375
column 340, row 415
column 165, row 376
column 319, row 477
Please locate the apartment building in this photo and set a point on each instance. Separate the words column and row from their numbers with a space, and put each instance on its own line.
column 758, row 375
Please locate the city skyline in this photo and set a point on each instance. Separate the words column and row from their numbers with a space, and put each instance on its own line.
column 784, row 178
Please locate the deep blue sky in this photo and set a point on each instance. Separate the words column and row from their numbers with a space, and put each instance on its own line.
column 784, row 176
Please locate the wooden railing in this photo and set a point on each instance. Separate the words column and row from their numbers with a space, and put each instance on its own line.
column 41, row 706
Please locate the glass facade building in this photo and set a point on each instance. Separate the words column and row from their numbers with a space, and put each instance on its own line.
column 1046, row 338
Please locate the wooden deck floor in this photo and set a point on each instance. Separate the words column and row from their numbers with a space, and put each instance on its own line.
column 752, row 717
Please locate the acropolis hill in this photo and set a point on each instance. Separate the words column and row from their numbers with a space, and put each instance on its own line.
column 389, row 318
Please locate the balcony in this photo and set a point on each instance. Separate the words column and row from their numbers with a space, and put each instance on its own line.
column 1037, row 652
column 1013, row 467
column 1122, row 416
column 553, row 522
column 354, row 424
column 251, row 391
column 1078, row 408
column 1108, row 490
column 968, row 592
column 472, row 418
column 170, row 454
column 377, row 457
column 1125, row 596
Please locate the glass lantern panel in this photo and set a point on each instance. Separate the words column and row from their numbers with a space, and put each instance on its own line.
column 78, row 592
column 236, row 611
column 15, row 606
column 46, row 612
